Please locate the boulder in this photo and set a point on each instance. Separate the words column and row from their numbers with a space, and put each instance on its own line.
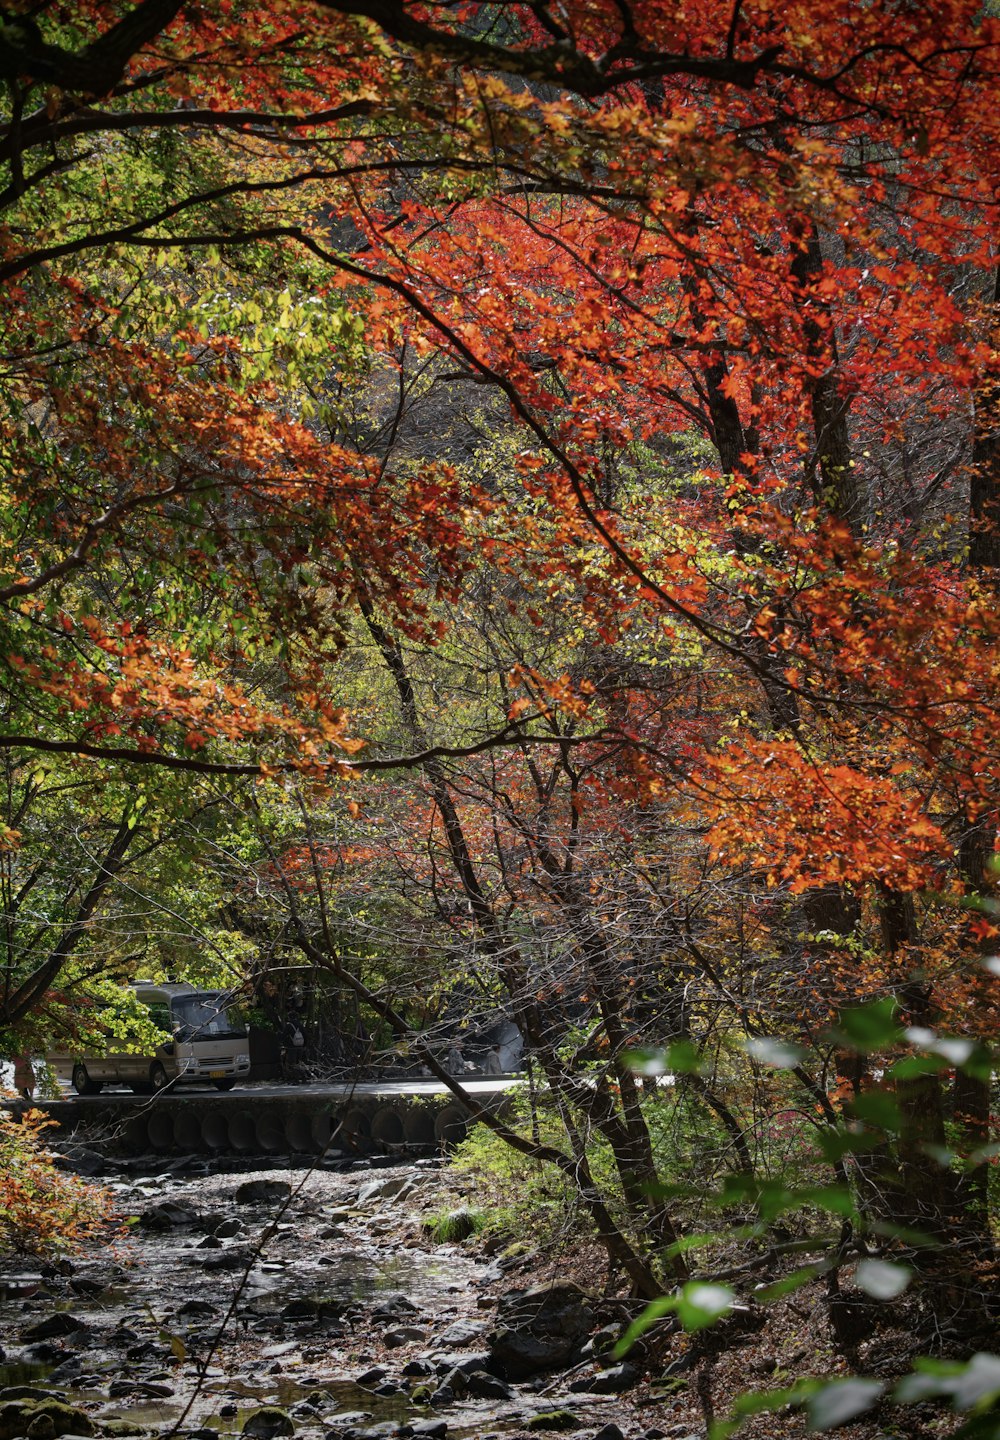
column 608, row 1432
column 169, row 1215
column 463, row 1332
column 484, row 1386
column 404, row 1335
column 608, row 1382
column 389, row 1189
column 267, row 1423
column 53, row 1327
column 540, row 1329
column 553, row 1420
column 262, row 1192
column 43, row 1420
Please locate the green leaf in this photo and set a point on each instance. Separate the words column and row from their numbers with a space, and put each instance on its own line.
column 869, row 1027
column 882, row 1280
column 877, row 1107
column 700, row 1304
column 839, row 1402
column 778, row 1054
column 972, row 1386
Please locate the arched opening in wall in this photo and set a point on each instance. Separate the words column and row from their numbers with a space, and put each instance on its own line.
column 187, row 1130
column 387, row 1127
column 270, row 1134
column 160, row 1128
column 242, row 1134
column 298, row 1128
column 356, row 1130
column 214, row 1131
column 136, row 1137
column 450, row 1127
column 326, row 1132
column 418, row 1128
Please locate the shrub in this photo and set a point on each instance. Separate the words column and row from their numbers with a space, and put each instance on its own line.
column 42, row 1211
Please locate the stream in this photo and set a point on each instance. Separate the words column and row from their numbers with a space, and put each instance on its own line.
column 274, row 1302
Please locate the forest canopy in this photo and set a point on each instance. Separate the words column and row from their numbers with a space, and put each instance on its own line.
column 511, row 491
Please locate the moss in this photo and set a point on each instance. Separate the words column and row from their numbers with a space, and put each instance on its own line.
column 43, row 1420
column 554, row 1420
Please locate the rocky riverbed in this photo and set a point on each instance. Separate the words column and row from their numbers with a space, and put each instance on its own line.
column 310, row 1303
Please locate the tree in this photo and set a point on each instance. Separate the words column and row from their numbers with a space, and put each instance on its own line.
column 724, row 286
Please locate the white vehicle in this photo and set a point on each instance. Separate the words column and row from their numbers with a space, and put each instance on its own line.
column 201, row 1041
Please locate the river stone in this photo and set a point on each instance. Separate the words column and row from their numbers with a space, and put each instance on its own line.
column 51, row 1418
column 608, row 1432
column 391, row 1188
column 608, row 1382
column 430, row 1429
column 267, row 1423
column 169, row 1215
column 372, row 1376
column 540, row 1329
column 197, row 1307
column 553, row 1420
column 463, row 1332
column 262, row 1192
column 484, row 1386
column 63, row 1322
column 405, row 1335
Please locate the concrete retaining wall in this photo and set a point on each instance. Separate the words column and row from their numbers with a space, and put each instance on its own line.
column 250, row 1124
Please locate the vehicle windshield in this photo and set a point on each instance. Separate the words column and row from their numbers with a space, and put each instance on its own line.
column 203, row 1017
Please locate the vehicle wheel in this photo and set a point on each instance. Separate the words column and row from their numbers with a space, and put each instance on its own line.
column 223, row 1084
column 82, row 1083
column 158, row 1076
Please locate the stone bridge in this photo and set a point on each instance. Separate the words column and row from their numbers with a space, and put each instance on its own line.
column 275, row 1119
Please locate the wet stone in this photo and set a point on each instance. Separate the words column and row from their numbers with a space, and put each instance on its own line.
column 262, row 1192
column 267, row 1423
column 405, row 1335
column 63, row 1322
column 608, row 1432
column 608, row 1382
column 169, row 1215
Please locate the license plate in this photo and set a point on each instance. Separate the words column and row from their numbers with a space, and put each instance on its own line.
column 216, row 1074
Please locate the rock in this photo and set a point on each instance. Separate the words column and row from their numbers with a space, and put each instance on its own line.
column 372, row 1376
column 608, row 1382
column 405, row 1335
column 85, row 1286
column 478, row 1360
column 417, row 1368
column 262, row 1192
column 393, row 1307
column 456, row 1382
column 227, row 1411
column 229, row 1228
column 63, row 1322
column 540, row 1329
column 391, row 1188
column 443, row 1395
column 601, row 1341
column 608, row 1432
column 553, row 1420
column 210, row 1243
column 67, row 1373
column 203, row 1432
column 46, row 1353
column 267, row 1423
column 484, row 1386
column 196, row 1307
column 169, row 1215
column 430, row 1429
column 25, row 1392
column 464, row 1332
column 50, row 1419
column 301, row 1309
column 147, row 1389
